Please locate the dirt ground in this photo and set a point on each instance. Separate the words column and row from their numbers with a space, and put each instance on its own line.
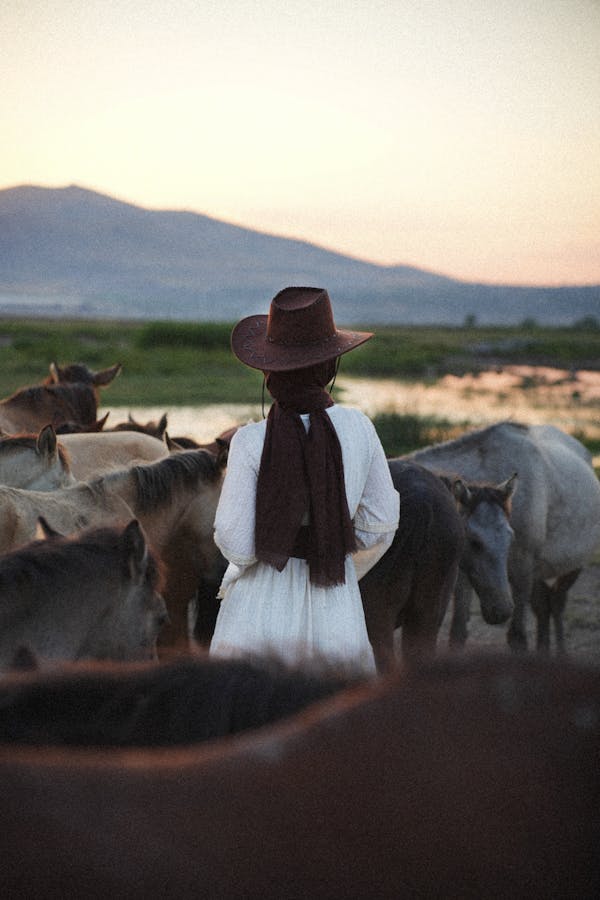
column 581, row 620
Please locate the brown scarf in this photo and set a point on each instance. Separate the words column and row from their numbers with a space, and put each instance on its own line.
column 303, row 472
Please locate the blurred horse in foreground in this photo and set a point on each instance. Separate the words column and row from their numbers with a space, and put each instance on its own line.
column 463, row 778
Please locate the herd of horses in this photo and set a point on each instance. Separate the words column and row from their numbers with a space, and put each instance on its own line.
column 131, row 762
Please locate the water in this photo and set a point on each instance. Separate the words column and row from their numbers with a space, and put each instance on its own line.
column 521, row 393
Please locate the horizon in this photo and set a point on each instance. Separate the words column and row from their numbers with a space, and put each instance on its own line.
column 461, row 139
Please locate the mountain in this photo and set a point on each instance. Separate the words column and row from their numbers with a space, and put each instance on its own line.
column 74, row 252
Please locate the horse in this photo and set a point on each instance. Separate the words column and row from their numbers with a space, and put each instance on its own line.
column 68, row 394
column 175, row 500
column 93, row 595
column 34, row 462
column 177, row 701
column 555, row 512
column 78, row 428
column 66, row 510
column 79, row 373
column 93, row 454
column 155, row 429
column 411, row 585
column 468, row 777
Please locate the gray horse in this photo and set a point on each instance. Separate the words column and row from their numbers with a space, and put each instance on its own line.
column 555, row 511
column 90, row 595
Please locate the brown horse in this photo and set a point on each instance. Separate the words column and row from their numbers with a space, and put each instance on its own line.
column 155, row 429
column 69, row 394
column 34, row 462
column 90, row 595
column 175, row 500
column 464, row 779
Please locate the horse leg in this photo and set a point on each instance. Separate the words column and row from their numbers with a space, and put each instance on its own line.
column 559, row 598
column 541, row 600
column 207, row 609
column 381, row 636
column 425, row 611
column 461, row 612
column 381, row 603
column 178, row 591
column 521, row 581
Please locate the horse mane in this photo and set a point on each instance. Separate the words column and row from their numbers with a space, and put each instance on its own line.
column 35, row 567
column 155, row 482
column 485, row 493
column 8, row 443
column 186, row 700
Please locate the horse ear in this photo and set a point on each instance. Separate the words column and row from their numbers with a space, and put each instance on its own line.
column 136, row 550
column 461, row 492
column 46, row 442
column 162, row 425
column 105, row 376
column 54, row 373
column 509, row 486
column 100, row 423
column 172, row 446
column 44, row 531
column 130, row 419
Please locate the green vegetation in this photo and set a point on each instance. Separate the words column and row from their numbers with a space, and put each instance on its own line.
column 181, row 363
column 401, row 434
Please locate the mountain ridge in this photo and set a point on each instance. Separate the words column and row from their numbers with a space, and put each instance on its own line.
column 75, row 251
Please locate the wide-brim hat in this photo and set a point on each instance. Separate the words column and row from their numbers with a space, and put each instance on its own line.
column 299, row 331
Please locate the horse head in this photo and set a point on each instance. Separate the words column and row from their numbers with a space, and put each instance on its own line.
column 81, row 374
column 486, row 509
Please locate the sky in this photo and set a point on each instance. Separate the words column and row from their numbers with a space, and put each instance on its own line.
column 458, row 136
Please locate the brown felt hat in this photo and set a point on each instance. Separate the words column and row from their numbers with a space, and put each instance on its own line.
column 298, row 332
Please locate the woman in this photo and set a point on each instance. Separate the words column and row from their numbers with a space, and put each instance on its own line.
column 307, row 505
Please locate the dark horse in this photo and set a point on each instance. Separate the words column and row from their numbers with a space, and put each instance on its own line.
column 464, row 779
column 174, row 702
column 413, row 582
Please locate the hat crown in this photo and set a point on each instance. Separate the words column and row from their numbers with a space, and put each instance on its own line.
column 299, row 316
column 299, row 331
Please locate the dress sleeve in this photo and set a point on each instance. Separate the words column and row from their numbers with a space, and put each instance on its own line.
column 376, row 518
column 235, row 516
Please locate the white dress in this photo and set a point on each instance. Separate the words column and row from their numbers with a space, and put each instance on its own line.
column 264, row 611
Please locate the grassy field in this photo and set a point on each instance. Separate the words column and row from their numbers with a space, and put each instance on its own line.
column 182, row 363
column 168, row 365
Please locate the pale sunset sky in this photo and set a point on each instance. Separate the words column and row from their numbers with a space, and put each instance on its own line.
column 459, row 136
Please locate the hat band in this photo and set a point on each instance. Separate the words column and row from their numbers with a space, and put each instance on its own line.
column 319, row 340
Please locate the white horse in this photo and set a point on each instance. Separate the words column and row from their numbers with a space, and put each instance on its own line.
column 555, row 510
column 95, row 453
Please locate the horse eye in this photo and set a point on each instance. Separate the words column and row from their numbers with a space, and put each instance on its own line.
column 476, row 545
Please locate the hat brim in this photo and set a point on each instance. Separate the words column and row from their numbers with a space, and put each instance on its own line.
column 250, row 344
